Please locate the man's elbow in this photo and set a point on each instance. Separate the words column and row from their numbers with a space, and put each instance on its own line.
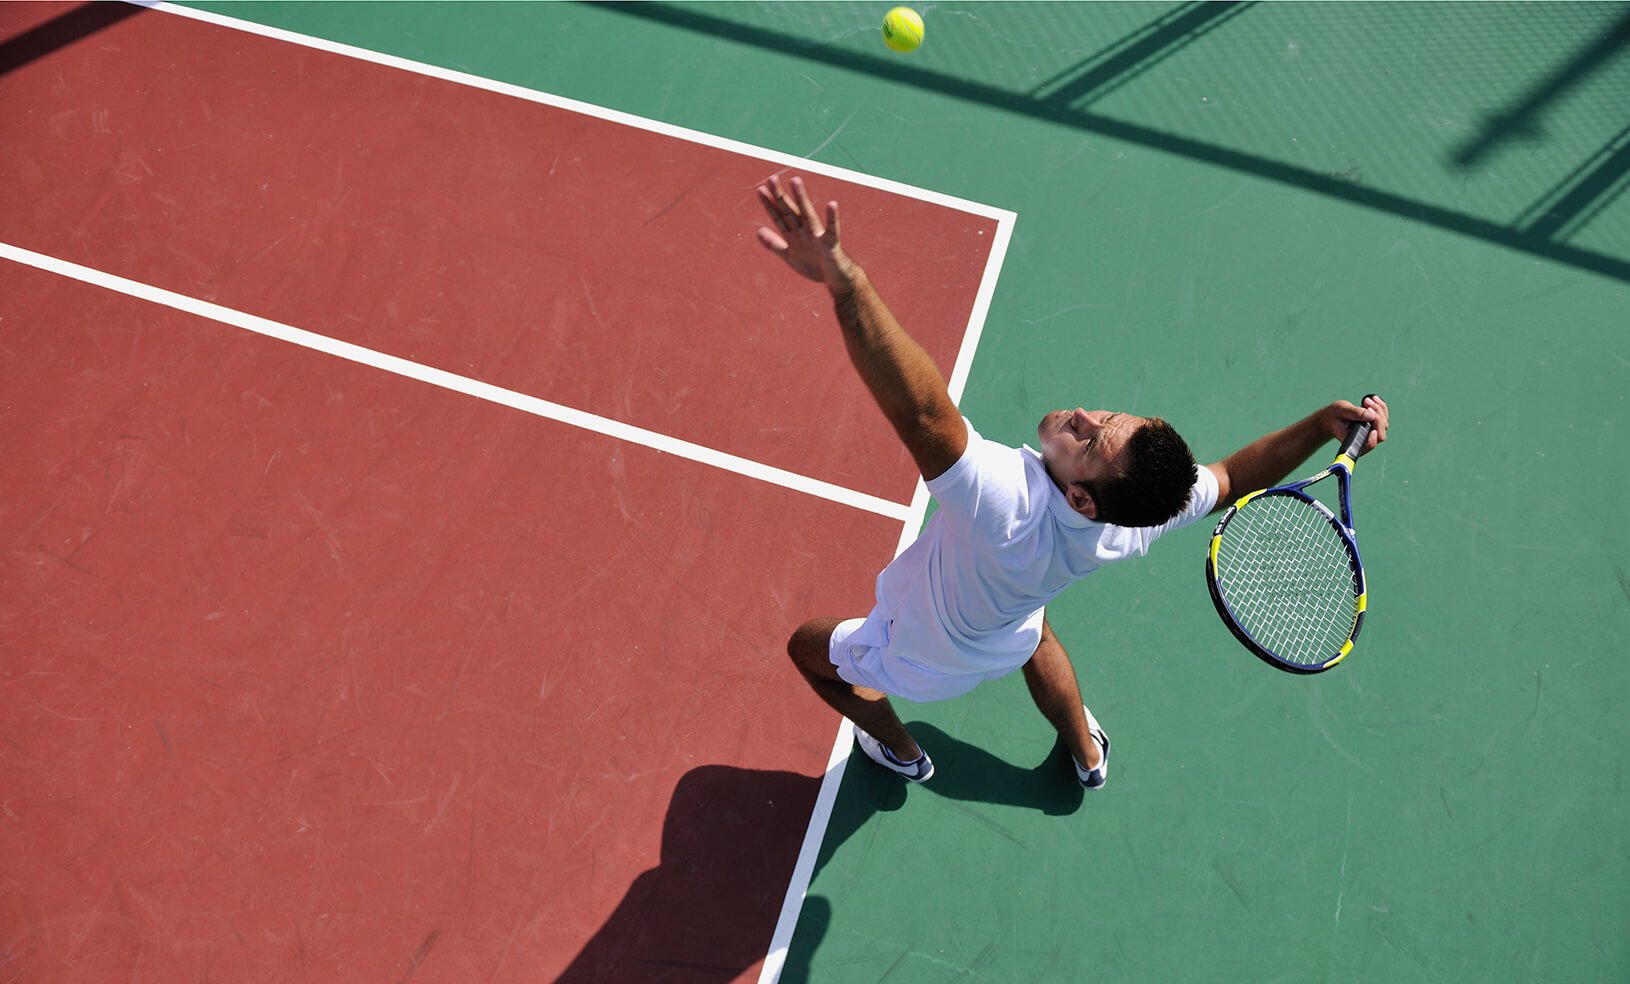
column 936, row 417
column 1225, row 484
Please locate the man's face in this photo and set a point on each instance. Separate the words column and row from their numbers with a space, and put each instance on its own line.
column 1084, row 446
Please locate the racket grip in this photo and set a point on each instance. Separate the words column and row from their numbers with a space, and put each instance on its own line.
column 1357, row 435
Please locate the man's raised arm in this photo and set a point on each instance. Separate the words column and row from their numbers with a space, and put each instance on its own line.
column 903, row 379
column 1269, row 459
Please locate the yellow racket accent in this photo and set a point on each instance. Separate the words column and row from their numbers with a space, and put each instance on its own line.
column 1242, row 500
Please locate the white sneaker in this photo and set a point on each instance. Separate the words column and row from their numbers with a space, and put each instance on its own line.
column 920, row 769
column 1094, row 778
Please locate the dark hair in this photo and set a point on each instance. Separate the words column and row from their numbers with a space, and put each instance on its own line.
column 1156, row 475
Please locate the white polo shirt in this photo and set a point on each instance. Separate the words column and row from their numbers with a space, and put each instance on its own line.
column 967, row 597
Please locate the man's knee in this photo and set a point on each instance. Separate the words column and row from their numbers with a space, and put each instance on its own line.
column 1049, row 664
column 807, row 639
column 1048, row 647
column 810, row 645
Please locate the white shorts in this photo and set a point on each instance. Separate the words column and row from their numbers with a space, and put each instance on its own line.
column 860, row 651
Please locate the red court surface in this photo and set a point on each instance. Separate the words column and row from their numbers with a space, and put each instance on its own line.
column 571, row 258
column 315, row 672
column 310, row 664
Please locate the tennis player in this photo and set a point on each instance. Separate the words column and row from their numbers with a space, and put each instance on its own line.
column 966, row 602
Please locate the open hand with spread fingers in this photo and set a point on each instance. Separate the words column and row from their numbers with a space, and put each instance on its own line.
column 799, row 237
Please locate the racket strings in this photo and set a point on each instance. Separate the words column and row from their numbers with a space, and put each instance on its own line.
column 1287, row 577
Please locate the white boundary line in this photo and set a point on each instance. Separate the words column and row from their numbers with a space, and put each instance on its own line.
column 583, row 108
column 458, row 384
column 804, row 871
column 911, row 516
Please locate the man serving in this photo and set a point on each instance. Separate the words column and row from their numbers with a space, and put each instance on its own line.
column 966, row 602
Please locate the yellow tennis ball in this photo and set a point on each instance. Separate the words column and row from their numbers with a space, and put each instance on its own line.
column 902, row 29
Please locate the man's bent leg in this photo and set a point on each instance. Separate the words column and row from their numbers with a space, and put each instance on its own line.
column 1053, row 687
column 870, row 710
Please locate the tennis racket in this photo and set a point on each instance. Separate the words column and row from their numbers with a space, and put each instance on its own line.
column 1284, row 570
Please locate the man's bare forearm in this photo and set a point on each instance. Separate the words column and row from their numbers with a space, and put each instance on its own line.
column 901, row 375
column 1270, row 459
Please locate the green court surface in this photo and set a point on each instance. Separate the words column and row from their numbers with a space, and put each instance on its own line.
column 1228, row 215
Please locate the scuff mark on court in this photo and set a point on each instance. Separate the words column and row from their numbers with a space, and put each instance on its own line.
column 417, row 959
column 1624, row 582
column 1233, row 884
column 1346, row 838
column 992, row 824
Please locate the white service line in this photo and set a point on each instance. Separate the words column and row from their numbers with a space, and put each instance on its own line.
column 459, row 384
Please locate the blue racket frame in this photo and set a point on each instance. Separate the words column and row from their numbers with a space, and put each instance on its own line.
column 1342, row 469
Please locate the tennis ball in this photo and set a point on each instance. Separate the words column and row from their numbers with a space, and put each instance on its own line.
column 902, row 29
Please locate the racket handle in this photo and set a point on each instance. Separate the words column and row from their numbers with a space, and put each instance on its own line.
column 1357, row 435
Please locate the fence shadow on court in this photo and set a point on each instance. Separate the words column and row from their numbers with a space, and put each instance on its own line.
column 1066, row 99
column 62, row 30
column 703, row 914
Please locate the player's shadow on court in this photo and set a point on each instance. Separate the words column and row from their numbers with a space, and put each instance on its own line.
column 962, row 772
column 705, row 913
column 968, row 772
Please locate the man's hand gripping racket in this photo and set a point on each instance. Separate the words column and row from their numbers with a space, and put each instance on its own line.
column 1284, row 570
